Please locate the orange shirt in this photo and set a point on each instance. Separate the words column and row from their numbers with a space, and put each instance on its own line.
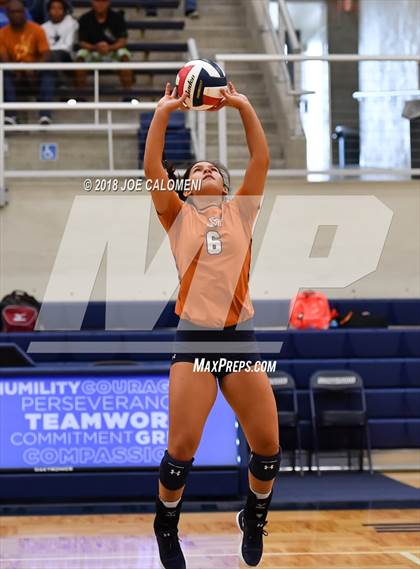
column 25, row 45
column 212, row 250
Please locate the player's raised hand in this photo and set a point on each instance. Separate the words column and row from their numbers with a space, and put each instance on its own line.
column 232, row 98
column 171, row 102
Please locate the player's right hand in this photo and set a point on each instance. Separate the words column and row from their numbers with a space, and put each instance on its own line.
column 171, row 102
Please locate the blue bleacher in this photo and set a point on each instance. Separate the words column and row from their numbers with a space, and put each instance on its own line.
column 149, row 24
column 177, row 139
column 158, row 4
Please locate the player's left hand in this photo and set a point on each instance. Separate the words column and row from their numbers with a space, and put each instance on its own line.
column 232, row 98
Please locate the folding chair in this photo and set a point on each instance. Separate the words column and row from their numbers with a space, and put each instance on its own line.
column 338, row 401
column 284, row 389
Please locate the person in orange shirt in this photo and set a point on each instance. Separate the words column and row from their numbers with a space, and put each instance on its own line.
column 25, row 42
column 210, row 235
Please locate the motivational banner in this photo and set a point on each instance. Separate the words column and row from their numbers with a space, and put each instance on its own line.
column 50, row 424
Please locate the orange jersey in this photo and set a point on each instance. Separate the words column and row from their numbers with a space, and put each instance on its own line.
column 26, row 45
column 212, row 250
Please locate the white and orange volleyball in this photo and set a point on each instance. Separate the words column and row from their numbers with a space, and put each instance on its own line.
column 202, row 80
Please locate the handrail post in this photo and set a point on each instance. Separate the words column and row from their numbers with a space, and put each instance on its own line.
column 96, row 93
column 222, row 124
column 2, row 145
column 202, row 136
column 110, row 141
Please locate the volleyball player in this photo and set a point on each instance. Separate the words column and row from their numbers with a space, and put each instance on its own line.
column 210, row 238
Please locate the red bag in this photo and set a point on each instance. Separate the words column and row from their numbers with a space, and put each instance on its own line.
column 19, row 318
column 14, row 316
column 310, row 309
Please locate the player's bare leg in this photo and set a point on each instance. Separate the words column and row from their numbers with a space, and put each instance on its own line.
column 191, row 395
column 251, row 397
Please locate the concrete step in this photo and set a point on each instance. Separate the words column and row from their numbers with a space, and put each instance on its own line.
column 238, row 138
column 75, row 151
column 214, row 32
column 83, row 117
column 237, row 164
column 210, row 9
column 264, row 114
column 239, row 151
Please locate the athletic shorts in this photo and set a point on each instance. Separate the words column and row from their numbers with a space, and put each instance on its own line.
column 221, row 351
column 96, row 57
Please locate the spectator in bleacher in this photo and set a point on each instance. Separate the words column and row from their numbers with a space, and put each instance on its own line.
column 61, row 29
column 4, row 20
column 191, row 10
column 103, row 37
column 26, row 42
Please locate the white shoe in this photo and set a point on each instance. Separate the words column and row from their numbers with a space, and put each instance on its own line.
column 193, row 14
column 10, row 120
column 45, row 120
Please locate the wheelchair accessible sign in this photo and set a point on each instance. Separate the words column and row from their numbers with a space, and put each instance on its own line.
column 48, row 151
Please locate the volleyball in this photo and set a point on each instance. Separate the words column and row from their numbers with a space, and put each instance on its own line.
column 202, row 80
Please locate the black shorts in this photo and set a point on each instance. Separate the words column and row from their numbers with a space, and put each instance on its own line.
column 220, row 351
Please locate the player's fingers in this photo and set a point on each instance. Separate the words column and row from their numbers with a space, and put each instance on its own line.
column 167, row 89
column 218, row 106
column 182, row 105
column 232, row 87
column 174, row 90
column 226, row 93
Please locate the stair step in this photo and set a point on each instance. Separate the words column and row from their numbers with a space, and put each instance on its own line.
column 239, row 138
column 238, row 164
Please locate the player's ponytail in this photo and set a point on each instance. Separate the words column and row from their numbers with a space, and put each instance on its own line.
column 172, row 175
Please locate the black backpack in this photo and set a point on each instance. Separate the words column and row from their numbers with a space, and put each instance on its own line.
column 362, row 319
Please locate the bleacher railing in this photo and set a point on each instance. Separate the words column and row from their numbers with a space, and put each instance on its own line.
column 197, row 125
column 359, row 171
column 197, row 121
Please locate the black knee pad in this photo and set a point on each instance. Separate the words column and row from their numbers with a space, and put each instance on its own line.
column 172, row 472
column 264, row 467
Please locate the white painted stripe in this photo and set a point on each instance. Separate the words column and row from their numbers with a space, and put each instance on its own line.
column 411, row 557
column 205, row 556
column 155, row 347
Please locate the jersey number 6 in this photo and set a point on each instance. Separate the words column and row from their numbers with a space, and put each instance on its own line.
column 214, row 244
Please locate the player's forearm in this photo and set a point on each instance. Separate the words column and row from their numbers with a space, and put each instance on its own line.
column 255, row 136
column 155, row 142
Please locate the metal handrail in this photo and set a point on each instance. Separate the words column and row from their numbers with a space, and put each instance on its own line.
column 100, row 66
column 197, row 127
column 224, row 58
column 343, row 57
column 288, row 24
column 200, row 117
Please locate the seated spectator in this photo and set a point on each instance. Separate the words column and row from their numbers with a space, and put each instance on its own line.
column 190, row 10
column 103, row 37
column 23, row 41
column 60, row 29
column 4, row 20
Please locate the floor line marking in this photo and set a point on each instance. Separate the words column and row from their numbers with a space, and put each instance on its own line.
column 200, row 555
column 411, row 557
